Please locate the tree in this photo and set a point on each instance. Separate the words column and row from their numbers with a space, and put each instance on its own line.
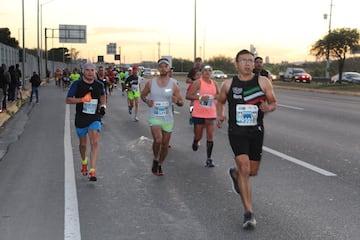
column 59, row 55
column 338, row 42
column 5, row 37
column 74, row 54
column 223, row 63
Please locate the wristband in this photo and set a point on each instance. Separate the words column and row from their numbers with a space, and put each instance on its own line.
column 146, row 100
column 200, row 98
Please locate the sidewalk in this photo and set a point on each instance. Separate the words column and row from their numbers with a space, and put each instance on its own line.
column 13, row 107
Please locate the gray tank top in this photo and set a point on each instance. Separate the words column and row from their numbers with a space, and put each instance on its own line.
column 162, row 97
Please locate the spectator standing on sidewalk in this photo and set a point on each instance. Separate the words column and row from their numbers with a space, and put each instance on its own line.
column 5, row 86
column 2, row 84
column 18, row 81
column 35, row 83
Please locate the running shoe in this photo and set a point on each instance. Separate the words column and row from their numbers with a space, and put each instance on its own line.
column 155, row 167
column 195, row 145
column 249, row 221
column 92, row 177
column 84, row 167
column 160, row 172
column 233, row 177
column 136, row 119
column 209, row 163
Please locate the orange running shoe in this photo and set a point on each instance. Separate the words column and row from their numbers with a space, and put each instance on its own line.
column 84, row 167
column 92, row 177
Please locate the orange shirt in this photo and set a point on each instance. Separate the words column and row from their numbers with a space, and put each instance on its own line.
column 205, row 109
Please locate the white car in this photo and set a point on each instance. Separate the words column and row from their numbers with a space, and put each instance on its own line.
column 147, row 72
column 154, row 72
column 347, row 77
column 218, row 74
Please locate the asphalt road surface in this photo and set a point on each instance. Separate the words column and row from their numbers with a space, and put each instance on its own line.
column 307, row 187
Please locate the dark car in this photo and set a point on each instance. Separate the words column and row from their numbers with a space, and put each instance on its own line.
column 347, row 77
column 301, row 76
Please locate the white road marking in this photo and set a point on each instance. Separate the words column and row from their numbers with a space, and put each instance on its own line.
column 299, row 162
column 292, row 107
column 71, row 210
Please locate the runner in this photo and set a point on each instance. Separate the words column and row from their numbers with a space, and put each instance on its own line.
column 193, row 75
column 203, row 93
column 133, row 82
column 89, row 96
column 159, row 94
column 249, row 97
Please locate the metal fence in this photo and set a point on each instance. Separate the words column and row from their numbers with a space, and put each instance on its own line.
column 10, row 56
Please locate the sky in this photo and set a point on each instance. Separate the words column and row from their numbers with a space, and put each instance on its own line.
column 282, row 30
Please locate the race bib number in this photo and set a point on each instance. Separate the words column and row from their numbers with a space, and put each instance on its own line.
column 206, row 103
column 161, row 108
column 246, row 115
column 90, row 107
column 134, row 88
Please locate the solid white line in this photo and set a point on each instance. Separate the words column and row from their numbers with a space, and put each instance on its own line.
column 71, row 211
column 299, row 162
column 287, row 106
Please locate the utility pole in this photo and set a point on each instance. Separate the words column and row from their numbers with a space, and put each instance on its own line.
column 195, row 31
column 327, row 75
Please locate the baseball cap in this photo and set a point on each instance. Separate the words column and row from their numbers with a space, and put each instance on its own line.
column 135, row 68
column 163, row 60
column 130, row 69
column 207, row 67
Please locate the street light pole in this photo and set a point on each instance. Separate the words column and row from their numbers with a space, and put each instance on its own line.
column 195, row 31
column 40, row 33
column 328, row 47
column 23, row 44
column 38, row 39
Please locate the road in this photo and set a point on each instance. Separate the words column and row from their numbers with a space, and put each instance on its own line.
column 307, row 187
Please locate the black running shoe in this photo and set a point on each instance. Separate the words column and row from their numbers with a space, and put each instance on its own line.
column 234, row 180
column 249, row 221
column 209, row 163
column 195, row 146
column 159, row 171
column 155, row 166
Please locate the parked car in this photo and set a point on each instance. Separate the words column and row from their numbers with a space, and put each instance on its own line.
column 347, row 77
column 218, row 74
column 154, row 72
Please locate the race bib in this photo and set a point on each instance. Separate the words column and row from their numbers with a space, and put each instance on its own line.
column 161, row 108
column 90, row 107
column 246, row 115
column 206, row 103
column 134, row 88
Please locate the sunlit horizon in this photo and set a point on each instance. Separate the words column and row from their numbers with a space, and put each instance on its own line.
column 144, row 30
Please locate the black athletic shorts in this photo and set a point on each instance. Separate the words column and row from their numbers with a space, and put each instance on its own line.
column 249, row 141
column 201, row 121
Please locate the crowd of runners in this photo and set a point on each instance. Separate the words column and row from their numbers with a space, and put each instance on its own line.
column 249, row 95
